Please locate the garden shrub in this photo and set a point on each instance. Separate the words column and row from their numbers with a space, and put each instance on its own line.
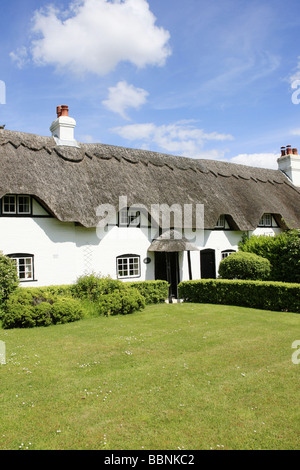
column 242, row 265
column 266, row 295
column 121, row 302
column 65, row 310
column 31, row 307
column 93, row 286
column 154, row 291
column 9, row 279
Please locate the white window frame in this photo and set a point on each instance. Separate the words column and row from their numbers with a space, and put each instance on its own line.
column 226, row 253
column 128, row 266
column 129, row 218
column 28, row 198
column 25, row 268
column 10, row 197
column 16, row 204
column 221, row 221
column 265, row 221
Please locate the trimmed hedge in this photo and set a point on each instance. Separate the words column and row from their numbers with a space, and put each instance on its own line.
column 155, row 292
column 266, row 295
column 32, row 307
column 123, row 302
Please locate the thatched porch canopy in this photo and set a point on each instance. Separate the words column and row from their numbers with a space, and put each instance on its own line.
column 172, row 241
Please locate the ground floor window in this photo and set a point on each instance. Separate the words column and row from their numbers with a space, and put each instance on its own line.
column 25, row 266
column 128, row 266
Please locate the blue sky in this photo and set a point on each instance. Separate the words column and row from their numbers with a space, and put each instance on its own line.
column 205, row 79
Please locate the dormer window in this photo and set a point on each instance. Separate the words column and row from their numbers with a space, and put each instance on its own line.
column 221, row 221
column 265, row 221
column 129, row 218
column 16, row 205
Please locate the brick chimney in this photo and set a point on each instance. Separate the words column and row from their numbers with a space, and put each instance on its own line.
column 62, row 128
column 289, row 164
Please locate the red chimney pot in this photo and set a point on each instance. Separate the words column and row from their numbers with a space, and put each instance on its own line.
column 64, row 110
column 288, row 149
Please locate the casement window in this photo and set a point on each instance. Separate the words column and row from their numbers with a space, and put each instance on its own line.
column 129, row 218
column 25, row 266
column 16, row 205
column 128, row 266
column 226, row 253
column 266, row 221
column 221, row 221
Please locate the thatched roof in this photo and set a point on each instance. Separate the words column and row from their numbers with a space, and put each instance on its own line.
column 73, row 182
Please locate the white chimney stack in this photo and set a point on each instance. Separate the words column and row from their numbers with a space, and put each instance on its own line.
column 63, row 128
column 289, row 164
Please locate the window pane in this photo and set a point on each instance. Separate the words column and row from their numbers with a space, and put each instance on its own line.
column 23, row 205
column 221, row 221
column 128, row 267
column 24, row 267
column 9, row 204
column 268, row 220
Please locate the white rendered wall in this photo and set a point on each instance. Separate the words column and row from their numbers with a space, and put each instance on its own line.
column 63, row 251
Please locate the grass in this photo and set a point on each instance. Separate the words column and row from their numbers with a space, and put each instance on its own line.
column 181, row 376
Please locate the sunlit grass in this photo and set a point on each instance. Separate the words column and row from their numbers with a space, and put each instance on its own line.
column 173, row 376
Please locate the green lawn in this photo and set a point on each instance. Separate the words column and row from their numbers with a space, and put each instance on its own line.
column 181, row 376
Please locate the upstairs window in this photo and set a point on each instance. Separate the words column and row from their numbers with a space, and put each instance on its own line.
column 16, row 205
column 129, row 218
column 266, row 221
column 128, row 266
column 221, row 221
column 25, row 266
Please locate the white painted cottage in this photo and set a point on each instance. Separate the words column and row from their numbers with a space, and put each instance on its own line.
column 69, row 208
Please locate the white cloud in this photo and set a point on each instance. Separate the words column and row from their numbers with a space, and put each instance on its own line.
column 20, row 57
column 124, row 96
column 181, row 138
column 261, row 160
column 95, row 35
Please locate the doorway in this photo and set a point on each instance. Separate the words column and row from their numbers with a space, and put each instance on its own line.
column 167, row 269
column 208, row 264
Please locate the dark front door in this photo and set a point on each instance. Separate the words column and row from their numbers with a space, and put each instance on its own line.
column 208, row 264
column 167, row 269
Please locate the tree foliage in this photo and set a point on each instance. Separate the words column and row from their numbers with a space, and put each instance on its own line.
column 282, row 250
column 9, row 279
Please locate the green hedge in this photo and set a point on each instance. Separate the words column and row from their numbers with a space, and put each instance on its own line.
column 266, row 295
column 32, row 307
column 123, row 302
column 155, row 292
